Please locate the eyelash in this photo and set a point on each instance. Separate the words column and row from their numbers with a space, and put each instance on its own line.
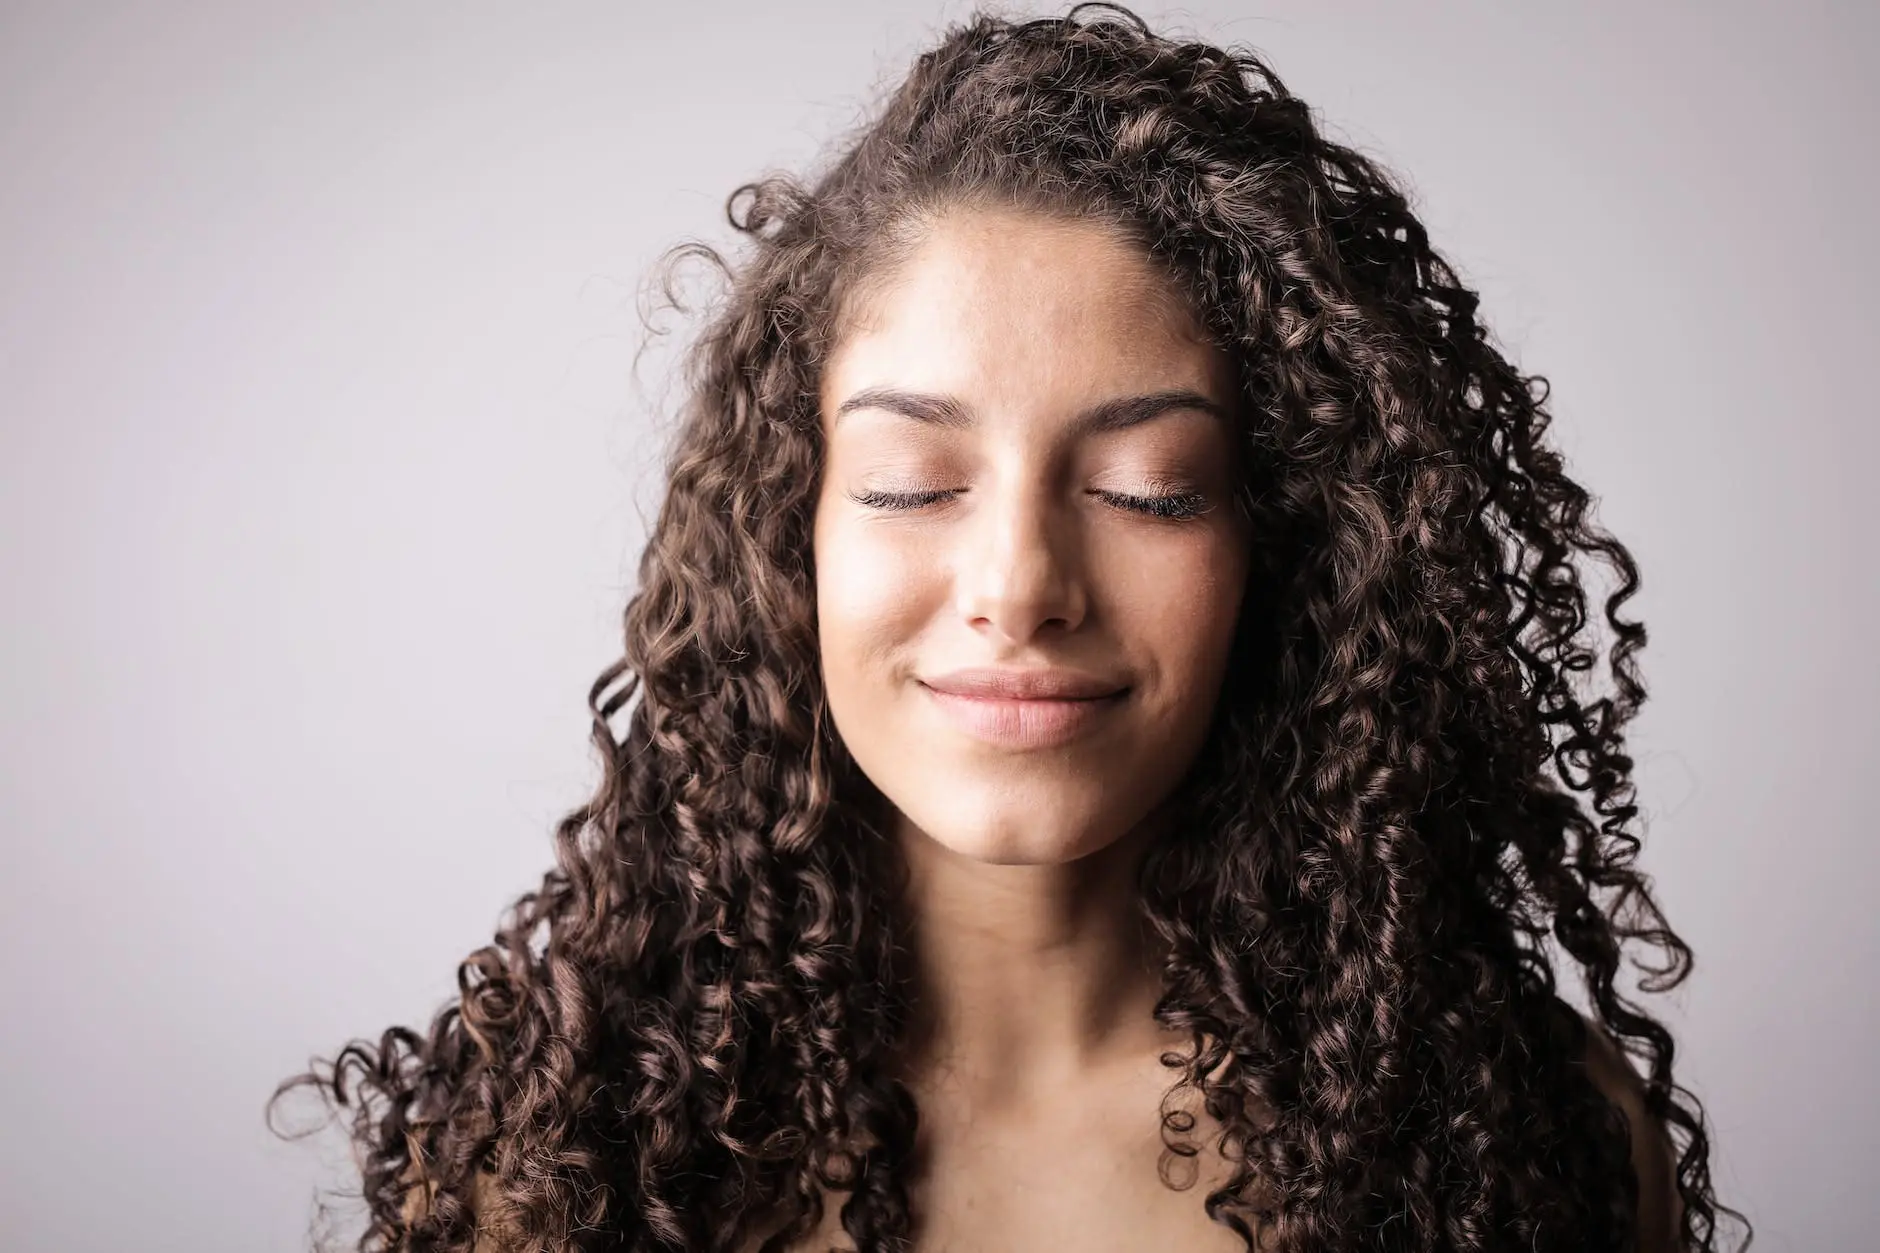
column 1174, row 507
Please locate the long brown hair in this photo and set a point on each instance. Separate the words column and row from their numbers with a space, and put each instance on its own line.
column 1414, row 799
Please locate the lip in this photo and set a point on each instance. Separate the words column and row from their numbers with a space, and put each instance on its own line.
column 1022, row 709
column 995, row 683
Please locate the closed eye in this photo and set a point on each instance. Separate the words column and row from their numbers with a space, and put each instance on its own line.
column 1174, row 506
column 898, row 500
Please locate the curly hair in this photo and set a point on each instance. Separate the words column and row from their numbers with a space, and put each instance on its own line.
column 1414, row 797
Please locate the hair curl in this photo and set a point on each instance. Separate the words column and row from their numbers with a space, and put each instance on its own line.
column 1412, row 791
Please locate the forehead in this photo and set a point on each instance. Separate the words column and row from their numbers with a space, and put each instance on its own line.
column 1005, row 299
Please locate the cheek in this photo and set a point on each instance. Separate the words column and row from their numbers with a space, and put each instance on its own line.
column 1183, row 609
column 871, row 595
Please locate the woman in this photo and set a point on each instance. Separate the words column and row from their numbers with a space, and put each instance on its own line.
column 1109, row 766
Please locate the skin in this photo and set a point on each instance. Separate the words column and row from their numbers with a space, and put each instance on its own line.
column 1036, row 1058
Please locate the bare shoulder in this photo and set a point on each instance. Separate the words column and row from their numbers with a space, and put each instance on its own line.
column 1660, row 1209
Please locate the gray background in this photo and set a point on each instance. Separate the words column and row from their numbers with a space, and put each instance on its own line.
column 324, row 474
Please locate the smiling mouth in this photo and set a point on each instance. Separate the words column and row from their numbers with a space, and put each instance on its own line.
column 1024, row 723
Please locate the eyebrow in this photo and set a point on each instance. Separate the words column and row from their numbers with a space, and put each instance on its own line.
column 1109, row 415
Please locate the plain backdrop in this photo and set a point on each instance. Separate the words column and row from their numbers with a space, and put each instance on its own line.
column 324, row 472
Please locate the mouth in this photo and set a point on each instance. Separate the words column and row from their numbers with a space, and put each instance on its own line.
column 1025, row 723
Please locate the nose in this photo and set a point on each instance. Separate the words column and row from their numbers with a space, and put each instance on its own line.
column 1020, row 568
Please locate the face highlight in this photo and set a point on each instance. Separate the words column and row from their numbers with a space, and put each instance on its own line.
column 1027, row 498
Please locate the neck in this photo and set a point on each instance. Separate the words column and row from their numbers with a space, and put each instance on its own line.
column 1032, row 978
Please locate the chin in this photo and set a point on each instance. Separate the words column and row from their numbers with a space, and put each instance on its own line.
column 1018, row 850
column 1030, row 834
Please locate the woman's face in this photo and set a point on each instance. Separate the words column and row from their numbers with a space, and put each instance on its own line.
column 1029, row 478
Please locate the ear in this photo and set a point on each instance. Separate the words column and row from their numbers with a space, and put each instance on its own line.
column 1660, row 1208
